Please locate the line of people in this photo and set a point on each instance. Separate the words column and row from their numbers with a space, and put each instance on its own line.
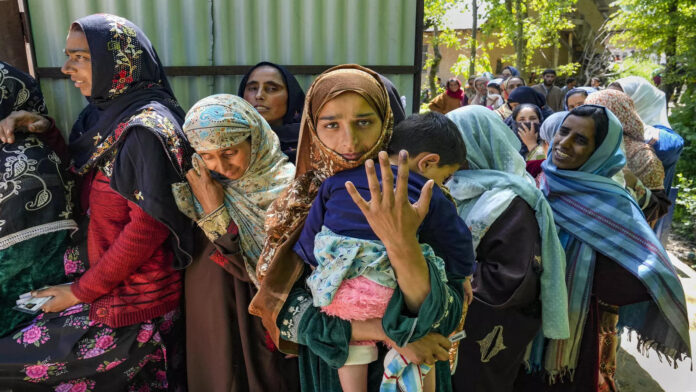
column 273, row 240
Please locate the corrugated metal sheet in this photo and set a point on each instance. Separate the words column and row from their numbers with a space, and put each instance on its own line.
column 235, row 32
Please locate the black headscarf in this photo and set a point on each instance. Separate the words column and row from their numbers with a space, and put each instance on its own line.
column 525, row 94
column 19, row 91
column 289, row 132
column 131, row 128
column 394, row 100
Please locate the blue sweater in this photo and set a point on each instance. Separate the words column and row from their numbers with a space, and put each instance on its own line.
column 442, row 228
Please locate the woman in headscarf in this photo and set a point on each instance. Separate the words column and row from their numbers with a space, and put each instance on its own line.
column 481, row 86
column 283, row 301
column 116, row 327
column 452, row 98
column 526, row 121
column 510, row 71
column 509, row 85
column 641, row 159
column 576, row 97
column 239, row 170
column 519, row 282
column 275, row 93
column 651, row 106
column 494, row 98
column 35, row 204
column 615, row 264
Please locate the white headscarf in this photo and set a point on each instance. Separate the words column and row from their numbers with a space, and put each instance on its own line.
column 649, row 101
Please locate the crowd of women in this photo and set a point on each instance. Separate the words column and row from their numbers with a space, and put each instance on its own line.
column 273, row 240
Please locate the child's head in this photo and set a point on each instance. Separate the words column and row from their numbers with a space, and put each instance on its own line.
column 434, row 144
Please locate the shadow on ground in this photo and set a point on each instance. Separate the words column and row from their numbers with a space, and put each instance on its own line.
column 631, row 377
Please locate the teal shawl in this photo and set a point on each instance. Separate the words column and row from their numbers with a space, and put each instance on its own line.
column 595, row 214
column 495, row 177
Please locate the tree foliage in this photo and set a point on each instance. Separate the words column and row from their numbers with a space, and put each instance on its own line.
column 434, row 13
column 528, row 26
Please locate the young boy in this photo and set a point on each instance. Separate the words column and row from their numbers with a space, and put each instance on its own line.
column 352, row 277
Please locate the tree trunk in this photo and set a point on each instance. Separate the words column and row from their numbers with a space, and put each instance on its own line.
column 520, row 44
column 670, row 53
column 474, row 28
column 435, row 67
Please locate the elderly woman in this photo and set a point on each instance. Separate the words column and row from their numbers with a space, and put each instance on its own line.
column 519, row 282
column 616, row 265
column 275, row 93
column 116, row 326
column 347, row 120
column 239, row 170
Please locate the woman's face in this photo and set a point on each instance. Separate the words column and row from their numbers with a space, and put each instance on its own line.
column 453, row 86
column 232, row 162
column 493, row 91
column 506, row 73
column 349, row 126
column 528, row 115
column 575, row 100
column 481, row 87
column 513, row 83
column 574, row 142
column 78, row 65
column 266, row 92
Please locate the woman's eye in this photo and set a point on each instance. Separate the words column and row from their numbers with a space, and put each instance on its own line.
column 251, row 88
column 331, row 125
column 364, row 123
column 272, row 89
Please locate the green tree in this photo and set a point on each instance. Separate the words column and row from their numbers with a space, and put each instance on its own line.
column 434, row 13
column 528, row 25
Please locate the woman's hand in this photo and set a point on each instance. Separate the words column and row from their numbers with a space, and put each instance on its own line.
column 468, row 290
column 428, row 349
column 395, row 221
column 208, row 192
column 529, row 136
column 389, row 212
column 63, row 298
column 22, row 121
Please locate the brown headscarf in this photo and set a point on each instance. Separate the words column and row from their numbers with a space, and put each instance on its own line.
column 279, row 268
column 641, row 158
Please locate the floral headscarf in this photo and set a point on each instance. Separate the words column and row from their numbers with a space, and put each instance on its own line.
column 642, row 160
column 19, row 91
column 220, row 121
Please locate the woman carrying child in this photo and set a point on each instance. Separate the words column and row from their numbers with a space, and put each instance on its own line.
column 347, row 120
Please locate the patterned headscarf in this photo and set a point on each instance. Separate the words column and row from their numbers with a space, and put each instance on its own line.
column 221, row 121
column 19, row 91
column 317, row 162
column 495, row 177
column 130, row 90
column 642, row 160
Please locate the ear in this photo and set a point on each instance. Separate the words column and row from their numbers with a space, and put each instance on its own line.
column 427, row 161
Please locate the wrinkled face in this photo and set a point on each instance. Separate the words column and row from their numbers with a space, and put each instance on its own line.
column 575, row 100
column 549, row 78
column 513, row 83
column 528, row 115
column 574, row 142
column 349, row 126
column 266, row 92
column 232, row 162
column 78, row 65
column 481, row 87
column 453, row 86
column 506, row 73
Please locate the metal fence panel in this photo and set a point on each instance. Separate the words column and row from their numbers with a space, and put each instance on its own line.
column 235, row 32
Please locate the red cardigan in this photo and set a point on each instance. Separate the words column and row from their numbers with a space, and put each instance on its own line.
column 130, row 278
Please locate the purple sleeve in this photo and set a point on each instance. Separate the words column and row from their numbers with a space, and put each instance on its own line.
column 304, row 246
column 449, row 237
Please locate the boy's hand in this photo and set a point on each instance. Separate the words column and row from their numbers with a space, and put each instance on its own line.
column 468, row 291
